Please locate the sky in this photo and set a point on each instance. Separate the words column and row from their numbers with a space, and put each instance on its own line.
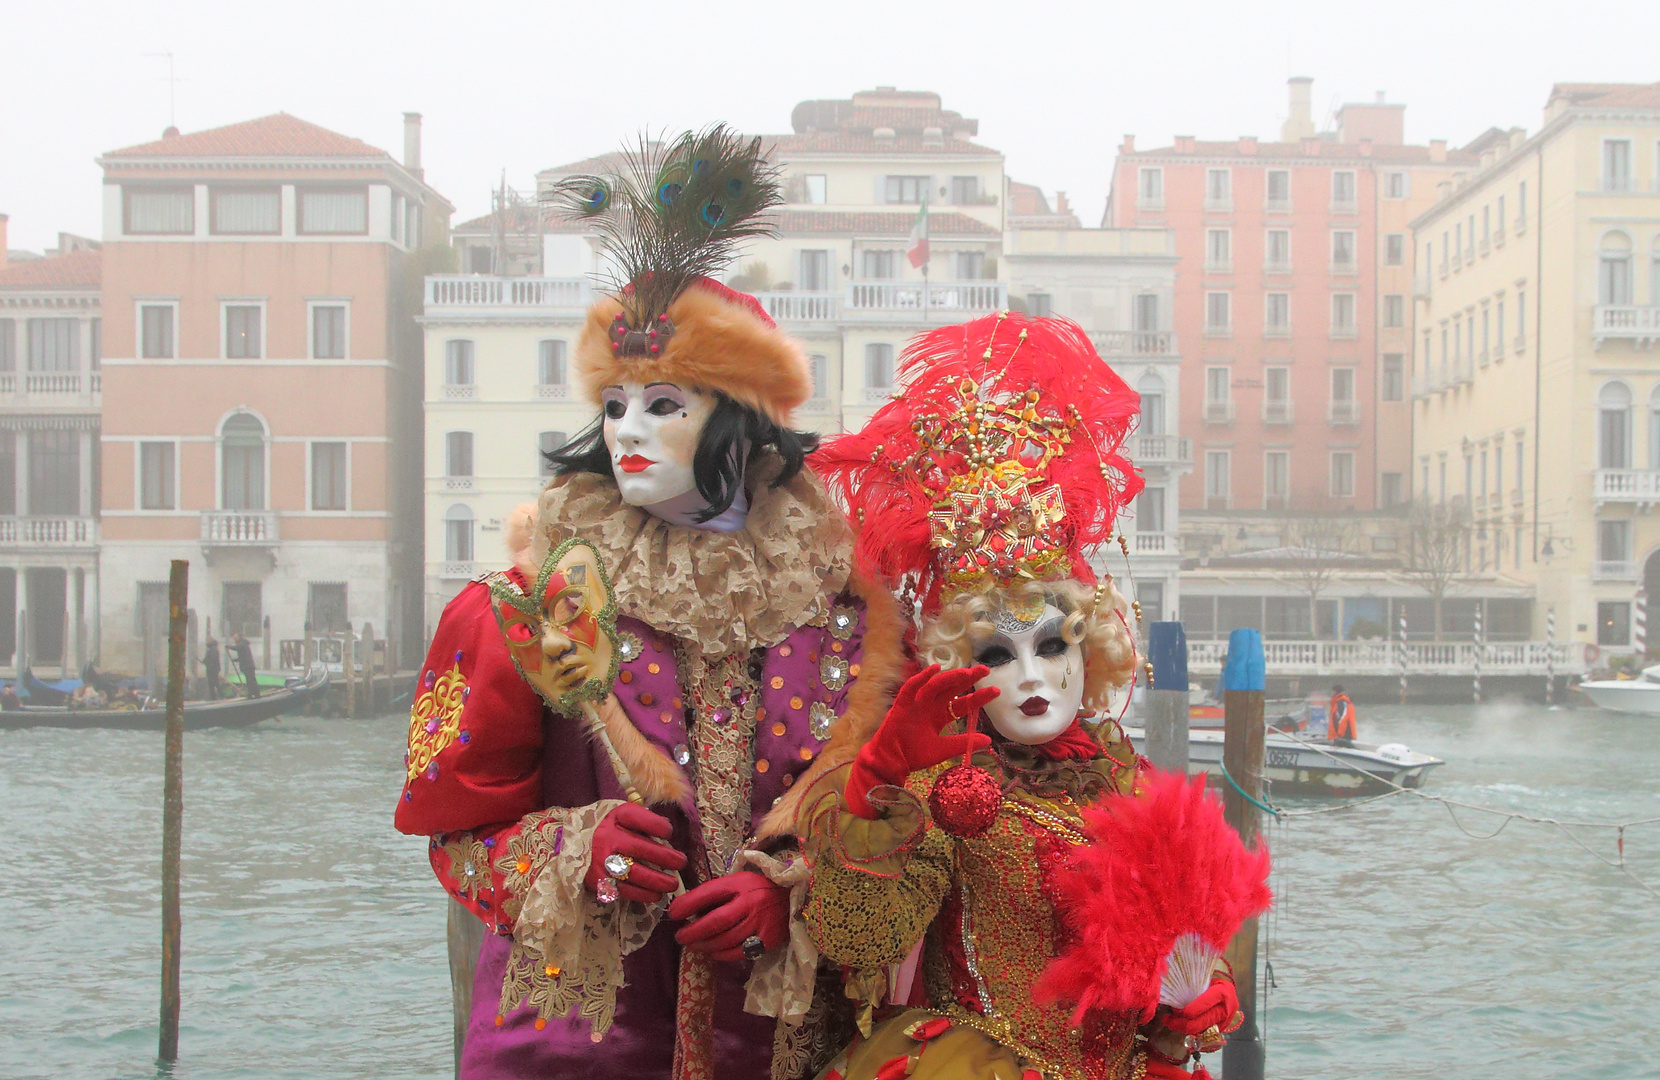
column 523, row 86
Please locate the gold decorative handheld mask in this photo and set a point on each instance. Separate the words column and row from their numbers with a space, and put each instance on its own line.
column 562, row 635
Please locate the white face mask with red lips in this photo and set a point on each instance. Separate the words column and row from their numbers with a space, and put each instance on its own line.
column 1039, row 674
column 652, row 431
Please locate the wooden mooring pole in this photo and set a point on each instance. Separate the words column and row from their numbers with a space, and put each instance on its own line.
column 1243, row 680
column 1167, row 697
column 172, row 813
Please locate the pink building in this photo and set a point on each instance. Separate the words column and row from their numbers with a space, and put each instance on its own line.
column 262, row 396
column 1293, row 302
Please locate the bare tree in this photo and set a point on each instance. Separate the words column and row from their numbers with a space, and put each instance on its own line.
column 1317, row 544
column 1438, row 551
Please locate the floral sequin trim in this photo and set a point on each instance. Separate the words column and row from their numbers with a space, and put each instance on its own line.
column 833, row 672
column 435, row 719
column 469, row 865
column 843, row 621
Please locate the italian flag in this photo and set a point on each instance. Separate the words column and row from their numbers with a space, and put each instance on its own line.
column 916, row 249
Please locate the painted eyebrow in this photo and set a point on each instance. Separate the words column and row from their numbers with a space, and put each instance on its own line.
column 1052, row 627
column 672, row 386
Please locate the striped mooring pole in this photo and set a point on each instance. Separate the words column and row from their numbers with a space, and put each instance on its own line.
column 1550, row 656
column 1639, row 626
column 1478, row 651
column 1401, row 650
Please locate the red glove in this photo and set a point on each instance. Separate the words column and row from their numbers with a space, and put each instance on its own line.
column 1216, row 1007
column 629, row 830
column 1163, row 1070
column 909, row 737
column 729, row 910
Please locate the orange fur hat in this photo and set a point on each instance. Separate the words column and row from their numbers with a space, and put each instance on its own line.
column 721, row 340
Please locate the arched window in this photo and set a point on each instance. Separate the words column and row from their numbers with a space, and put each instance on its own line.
column 1614, row 269
column 1151, row 388
column 458, row 534
column 242, row 463
column 1614, row 426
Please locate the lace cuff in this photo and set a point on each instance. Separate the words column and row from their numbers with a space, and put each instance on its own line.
column 781, row 982
column 880, row 847
column 568, row 948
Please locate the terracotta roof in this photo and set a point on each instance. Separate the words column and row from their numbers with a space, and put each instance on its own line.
column 1609, row 95
column 608, row 162
column 77, row 269
column 840, row 142
column 880, row 223
column 277, row 135
column 1026, row 200
column 1329, row 151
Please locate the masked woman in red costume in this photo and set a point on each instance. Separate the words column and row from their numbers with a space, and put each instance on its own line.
column 978, row 495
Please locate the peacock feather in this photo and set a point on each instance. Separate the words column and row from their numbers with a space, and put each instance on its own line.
column 673, row 213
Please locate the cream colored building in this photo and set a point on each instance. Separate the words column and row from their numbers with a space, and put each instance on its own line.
column 1536, row 376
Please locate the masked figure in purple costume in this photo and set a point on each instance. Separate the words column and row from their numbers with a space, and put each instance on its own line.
column 657, row 938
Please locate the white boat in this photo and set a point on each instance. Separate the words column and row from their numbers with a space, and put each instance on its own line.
column 1300, row 765
column 1640, row 695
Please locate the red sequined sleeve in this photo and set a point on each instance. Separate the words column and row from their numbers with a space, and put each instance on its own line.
column 474, row 766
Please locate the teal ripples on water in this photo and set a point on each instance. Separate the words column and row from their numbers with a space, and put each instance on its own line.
column 313, row 934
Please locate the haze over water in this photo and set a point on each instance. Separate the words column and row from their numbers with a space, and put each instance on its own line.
column 313, row 934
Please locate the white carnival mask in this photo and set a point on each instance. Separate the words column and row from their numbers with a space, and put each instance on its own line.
column 1039, row 674
column 652, row 431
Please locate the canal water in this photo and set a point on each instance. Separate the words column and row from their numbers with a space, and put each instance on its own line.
column 313, row 933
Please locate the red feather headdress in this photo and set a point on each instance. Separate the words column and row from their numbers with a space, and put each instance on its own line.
column 1000, row 457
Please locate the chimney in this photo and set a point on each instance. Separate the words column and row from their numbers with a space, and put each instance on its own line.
column 1247, row 144
column 1186, row 144
column 412, row 142
column 1299, row 123
column 1366, row 147
column 3, row 220
column 1128, row 146
column 1061, row 206
column 1438, row 150
column 1311, row 146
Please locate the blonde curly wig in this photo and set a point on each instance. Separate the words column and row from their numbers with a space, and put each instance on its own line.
column 949, row 638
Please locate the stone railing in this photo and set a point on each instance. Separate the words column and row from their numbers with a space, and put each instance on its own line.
column 1626, row 322
column 507, row 294
column 1640, row 486
column 1340, row 658
column 1116, row 344
column 48, row 532
column 239, row 528
column 1161, row 450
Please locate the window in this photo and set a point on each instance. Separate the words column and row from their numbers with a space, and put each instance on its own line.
column 1393, row 377
column 1616, row 165
column 1150, row 187
column 968, row 265
column 242, row 463
column 328, row 476
column 1521, row 317
column 95, row 333
column 815, row 271
column 1486, row 224
column 1342, row 385
column 1218, row 402
column 1521, row 206
column 397, row 218
column 54, row 344
column 1614, row 426
column 161, row 211
column 1343, row 251
column 1217, row 486
column 1146, row 314
column 1613, row 541
column 328, row 331
column 1517, row 493
column 1279, row 189
column 1484, row 474
column 550, row 362
column 325, row 211
column 1276, row 395
column 1654, row 265
column 155, row 329
column 243, row 340
column 547, row 442
column 55, row 472
column 1151, row 596
column 1149, row 510
column 1392, row 493
column 1218, row 250
column 325, row 606
column 1498, row 471
column 1498, row 223
column 1486, row 333
column 1218, row 188
column 1395, row 185
column 1276, row 478
column 155, row 476
column 879, row 366
column 458, row 453
column 458, row 362
column 1342, row 474
column 1394, row 311
column 1458, row 244
column 458, row 534
column 1041, row 303
column 905, row 190
column 1444, row 251
column 1218, row 312
column 250, row 212
column 818, row 369
column 1470, row 252
column 1342, row 189
column 1277, row 249
column 1498, row 326
column 8, row 350
column 480, row 259
column 1394, row 250
column 1343, row 314
column 1614, row 270
column 1276, row 313
column 814, row 187
column 879, row 265
column 1613, row 623
column 242, row 609
column 965, row 190
column 1151, row 389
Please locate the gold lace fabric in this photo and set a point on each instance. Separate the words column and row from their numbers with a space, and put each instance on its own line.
column 723, row 592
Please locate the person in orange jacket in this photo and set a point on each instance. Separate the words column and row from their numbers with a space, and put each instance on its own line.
column 1340, row 718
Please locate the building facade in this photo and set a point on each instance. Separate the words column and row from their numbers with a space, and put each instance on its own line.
column 1537, row 380
column 51, row 341
column 264, row 373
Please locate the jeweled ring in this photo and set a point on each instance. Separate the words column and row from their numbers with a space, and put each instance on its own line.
column 754, row 948
column 952, row 708
column 618, row 866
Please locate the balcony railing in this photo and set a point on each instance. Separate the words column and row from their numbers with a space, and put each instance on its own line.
column 1276, row 206
column 458, row 569
column 1121, row 343
column 553, row 391
column 1342, row 414
column 1640, row 486
column 1162, row 450
column 1153, row 542
column 1613, row 570
column 1219, row 412
column 51, row 387
column 1345, row 266
column 506, row 294
column 1381, row 657
column 1218, row 266
column 862, row 300
column 1276, row 411
column 460, row 391
column 48, row 532
column 1626, row 322
column 239, row 528
column 1276, row 266
column 1343, row 333
column 1219, row 206
column 802, row 306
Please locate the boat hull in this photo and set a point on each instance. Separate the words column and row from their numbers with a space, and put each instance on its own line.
column 232, row 713
column 1293, row 766
column 1636, row 696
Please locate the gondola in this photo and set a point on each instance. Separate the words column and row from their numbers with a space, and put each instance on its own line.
column 231, row 713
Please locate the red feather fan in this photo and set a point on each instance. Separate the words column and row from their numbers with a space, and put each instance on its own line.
column 889, row 479
column 1162, row 869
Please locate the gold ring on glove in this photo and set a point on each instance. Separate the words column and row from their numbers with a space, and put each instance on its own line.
column 952, row 709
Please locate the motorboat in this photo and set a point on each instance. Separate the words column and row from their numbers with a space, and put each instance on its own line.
column 1296, row 764
column 228, row 713
column 1640, row 695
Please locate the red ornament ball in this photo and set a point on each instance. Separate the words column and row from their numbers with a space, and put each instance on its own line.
column 964, row 800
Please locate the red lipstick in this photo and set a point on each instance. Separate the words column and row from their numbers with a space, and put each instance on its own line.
column 633, row 463
column 1035, row 706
